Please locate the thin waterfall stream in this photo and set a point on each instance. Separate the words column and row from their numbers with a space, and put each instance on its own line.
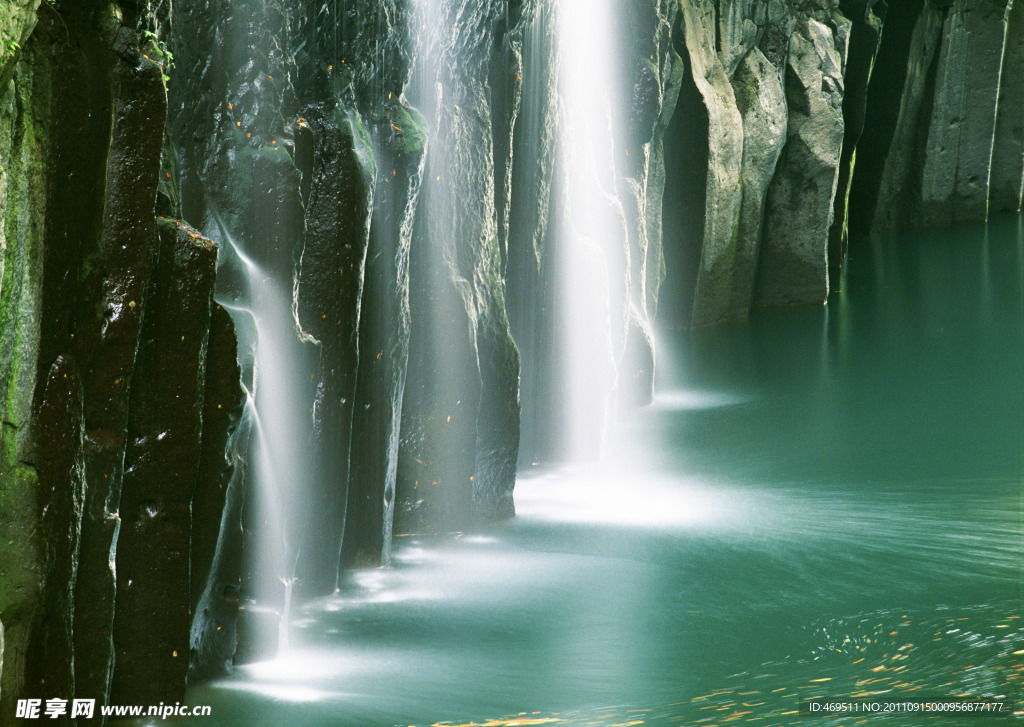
column 269, row 341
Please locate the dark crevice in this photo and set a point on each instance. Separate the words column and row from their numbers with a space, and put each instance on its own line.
column 686, row 163
column 864, row 41
column 881, row 114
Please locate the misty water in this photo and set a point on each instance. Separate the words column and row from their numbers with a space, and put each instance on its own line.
column 822, row 502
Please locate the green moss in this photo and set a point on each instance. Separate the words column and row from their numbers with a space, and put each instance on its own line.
column 402, row 123
column 361, row 142
column 16, row 23
column 652, row 67
column 413, row 126
column 22, row 274
column 9, row 51
column 22, row 155
column 156, row 50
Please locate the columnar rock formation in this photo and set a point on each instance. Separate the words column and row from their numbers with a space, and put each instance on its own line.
column 389, row 175
column 942, row 147
column 112, row 352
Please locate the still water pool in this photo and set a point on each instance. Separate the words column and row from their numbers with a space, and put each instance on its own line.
column 821, row 503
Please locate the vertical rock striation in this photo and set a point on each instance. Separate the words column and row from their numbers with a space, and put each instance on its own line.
column 723, row 192
column 654, row 76
column 1006, row 181
column 385, row 327
column 910, row 42
column 866, row 17
column 216, row 547
column 60, row 437
column 761, row 101
column 883, row 128
column 460, row 414
column 767, row 80
column 799, row 210
column 161, row 465
column 530, row 227
column 330, row 281
column 946, row 143
column 957, row 162
column 80, row 248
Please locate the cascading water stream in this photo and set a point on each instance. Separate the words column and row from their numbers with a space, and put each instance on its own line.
column 273, row 406
column 590, row 234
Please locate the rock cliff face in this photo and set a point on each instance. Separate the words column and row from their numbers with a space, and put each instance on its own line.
column 278, row 282
column 460, row 413
column 107, row 329
column 943, row 129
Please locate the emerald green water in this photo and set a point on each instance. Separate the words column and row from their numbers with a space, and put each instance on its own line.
column 822, row 503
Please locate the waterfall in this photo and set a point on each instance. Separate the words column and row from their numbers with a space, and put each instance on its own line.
column 365, row 195
column 460, row 416
column 592, row 250
column 263, row 313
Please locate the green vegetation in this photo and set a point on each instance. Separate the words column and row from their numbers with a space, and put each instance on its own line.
column 10, row 49
column 156, row 50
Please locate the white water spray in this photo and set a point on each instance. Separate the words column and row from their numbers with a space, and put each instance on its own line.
column 591, row 236
column 274, row 403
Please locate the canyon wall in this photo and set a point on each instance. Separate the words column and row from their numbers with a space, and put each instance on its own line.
column 112, row 355
column 380, row 191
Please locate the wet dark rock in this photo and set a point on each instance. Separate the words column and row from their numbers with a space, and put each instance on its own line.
column 403, row 192
column 83, row 292
column 106, row 348
column 59, row 438
column 384, row 330
column 105, row 110
column 330, row 286
column 216, row 546
column 460, row 412
column 234, row 126
column 153, row 605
